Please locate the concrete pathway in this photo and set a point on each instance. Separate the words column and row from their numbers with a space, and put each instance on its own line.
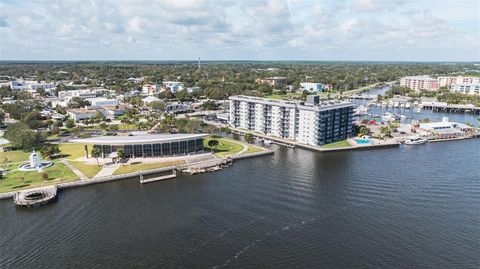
column 74, row 170
column 107, row 170
column 245, row 148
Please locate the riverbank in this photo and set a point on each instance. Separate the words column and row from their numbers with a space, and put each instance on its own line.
column 133, row 174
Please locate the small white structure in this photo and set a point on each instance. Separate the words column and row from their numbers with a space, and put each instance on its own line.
column 35, row 163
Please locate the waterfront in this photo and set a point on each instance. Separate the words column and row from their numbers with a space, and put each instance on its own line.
column 413, row 206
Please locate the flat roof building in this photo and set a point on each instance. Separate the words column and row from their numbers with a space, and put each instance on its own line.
column 145, row 146
column 311, row 123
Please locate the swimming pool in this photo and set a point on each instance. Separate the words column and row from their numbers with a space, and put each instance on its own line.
column 363, row 141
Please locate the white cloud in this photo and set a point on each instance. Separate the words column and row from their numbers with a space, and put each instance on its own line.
column 252, row 29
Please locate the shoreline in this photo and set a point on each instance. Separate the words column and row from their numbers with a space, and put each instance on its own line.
column 93, row 181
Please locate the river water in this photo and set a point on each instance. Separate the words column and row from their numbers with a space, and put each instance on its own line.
column 407, row 207
column 412, row 113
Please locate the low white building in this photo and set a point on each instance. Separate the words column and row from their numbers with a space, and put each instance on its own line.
column 150, row 99
column 471, row 89
column 31, row 85
column 311, row 86
column 174, row 86
column 81, row 113
column 177, row 107
column 102, row 102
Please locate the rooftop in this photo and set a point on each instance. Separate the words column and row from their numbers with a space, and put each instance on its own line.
column 139, row 139
column 325, row 105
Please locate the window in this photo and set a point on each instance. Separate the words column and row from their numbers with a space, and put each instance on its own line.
column 157, row 150
column 128, row 151
column 147, row 150
column 182, row 147
column 199, row 144
column 107, row 149
column 175, row 148
column 191, row 145
column 137, row 151
column 166, row 149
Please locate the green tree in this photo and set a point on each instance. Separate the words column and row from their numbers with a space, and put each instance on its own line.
column 213, row 143
column 364, row 130
column 49, row 150
column 121, row 154
column 69, row 123
column 21, row 136
column 96, row 153
column 249, row 137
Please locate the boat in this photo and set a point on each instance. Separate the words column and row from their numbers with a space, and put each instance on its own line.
column 267, row 142
column 415, row 141
column 360, row 110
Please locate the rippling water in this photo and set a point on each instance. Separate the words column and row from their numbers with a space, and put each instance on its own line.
column 407, row 207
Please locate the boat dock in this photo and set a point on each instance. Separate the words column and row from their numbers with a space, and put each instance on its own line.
column 207, row 166
column 451, row 108
column 149, row 180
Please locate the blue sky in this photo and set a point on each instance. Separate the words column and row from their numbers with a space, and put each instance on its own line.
column 377, row 30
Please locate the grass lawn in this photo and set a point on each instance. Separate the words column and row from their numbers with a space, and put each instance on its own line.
column 90, row 170
column 130, row 168
column 57, row 173
column 123, row 126
column 73, row 151
column 252, row 149
column 14, row 156
column 225, row 146
column 338, row 144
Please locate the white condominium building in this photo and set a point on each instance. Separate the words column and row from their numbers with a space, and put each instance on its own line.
column 449, row 81
column 418, row 83
column 472, row 89
column 310, row 122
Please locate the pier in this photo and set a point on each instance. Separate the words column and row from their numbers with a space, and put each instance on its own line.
column 451, row 108
column 149, row 180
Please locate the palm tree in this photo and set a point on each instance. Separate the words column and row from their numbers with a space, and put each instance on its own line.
column 121, row 154
column 96, row 153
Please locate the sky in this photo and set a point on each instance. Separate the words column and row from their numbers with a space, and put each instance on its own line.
column 350, row 30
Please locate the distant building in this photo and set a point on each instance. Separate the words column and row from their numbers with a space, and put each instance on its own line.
column 84, row 94
column 418, row 83
column 174, row 86
column 449, row 81
column 81, row 113
column 274, row 81
column 471, row 89
column 311, row 122
column 147, row 100
column 150, row 89
column 30, row 85
column 110, row 112
column 102, row 102
column 311, row 86
column 177, row 107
